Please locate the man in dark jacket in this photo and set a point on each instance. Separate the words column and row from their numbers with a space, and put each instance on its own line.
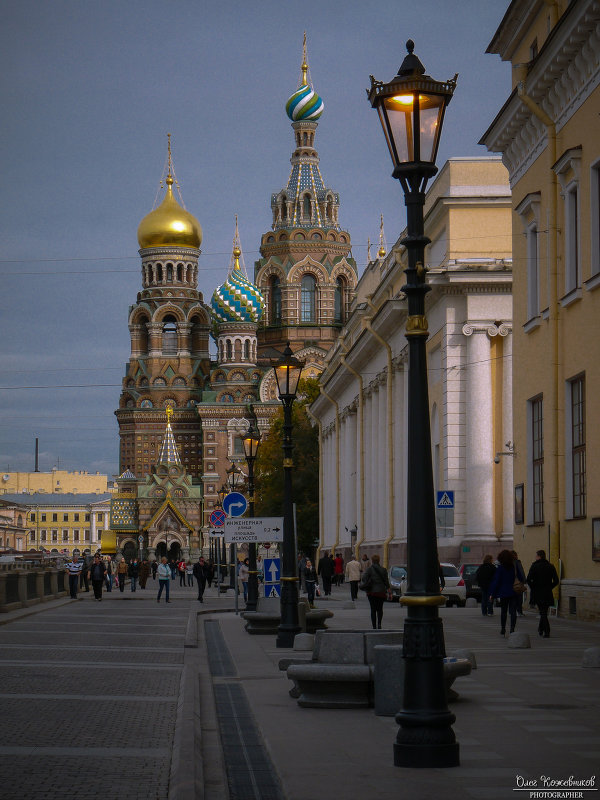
column 134, row 573
column 326, row 569
column 201, row 573
column 542, row 579
column 96, row 574
column 484, row 577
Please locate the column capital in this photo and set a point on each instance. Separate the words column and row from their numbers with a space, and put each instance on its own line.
column 492, row 330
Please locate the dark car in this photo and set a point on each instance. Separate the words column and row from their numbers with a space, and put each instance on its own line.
column 468, row 574
column 397, row 574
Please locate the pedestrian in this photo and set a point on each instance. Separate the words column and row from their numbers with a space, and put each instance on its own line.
column 338, row 569
column 484, row 576
column 83, row 575
column 164, row 579
column 173, row 568
column 189, row 573
column 365, row 563
column 243, row 573
column 122, row 570
column 260, row 569
column 301, row 570
column 353, row 576
column 201, row 573
column 96, row 574
column 74, row 567
column 210, row 573
column 108, row 577
column 378, row 582
column 144, row 573
column 325, row 569
column 502, row 587
column 181, row 571
column 154, row 566
column 134, row 574
column 542, row 579
column 310, row 578
column 521, row 577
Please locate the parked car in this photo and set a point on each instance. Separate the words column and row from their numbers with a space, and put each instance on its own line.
column 467, row 572
column 396, row 574
column 455, row 589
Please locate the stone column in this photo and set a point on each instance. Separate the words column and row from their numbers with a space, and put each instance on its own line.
column 479, row 433
column 154, row 339
column 184, row 330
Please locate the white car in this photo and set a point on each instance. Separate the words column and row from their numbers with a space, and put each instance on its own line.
column 455, row 590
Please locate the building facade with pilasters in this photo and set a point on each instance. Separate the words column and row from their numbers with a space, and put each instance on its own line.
column 362, row 410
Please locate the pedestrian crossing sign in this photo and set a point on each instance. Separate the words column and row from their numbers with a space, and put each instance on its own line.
column 273, row 590
column 445, row 499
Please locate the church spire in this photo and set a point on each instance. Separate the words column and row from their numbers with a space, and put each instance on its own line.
column 169, row 454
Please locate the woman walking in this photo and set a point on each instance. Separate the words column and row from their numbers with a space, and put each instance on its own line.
column 310, row 581
column 164, row 579
column 502, row 587
column 378, row 582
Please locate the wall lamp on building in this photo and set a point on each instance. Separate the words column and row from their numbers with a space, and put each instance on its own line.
column 287, row 374
column 411, row 111
column 510, row 451
column 251, row 442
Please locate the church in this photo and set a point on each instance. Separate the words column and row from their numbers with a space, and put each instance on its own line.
column 182, row 409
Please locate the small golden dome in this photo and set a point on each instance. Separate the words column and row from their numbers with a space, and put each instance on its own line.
column 381, row 252
column 169, row 224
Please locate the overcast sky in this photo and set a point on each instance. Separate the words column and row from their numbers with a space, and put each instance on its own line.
column 89, row 90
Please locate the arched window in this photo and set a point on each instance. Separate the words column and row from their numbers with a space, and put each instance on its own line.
column 283, row 208
column 247, row 349
column 169, row 272
column 307, row 301
column 306, row 207
column 229, row 349
column 275, row 300
column 338, row 313
column 169, row 336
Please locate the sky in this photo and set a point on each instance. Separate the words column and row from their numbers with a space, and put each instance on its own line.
column 89, row 90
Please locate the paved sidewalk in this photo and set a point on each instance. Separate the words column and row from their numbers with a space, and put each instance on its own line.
column 527, row 713
column 126, row 698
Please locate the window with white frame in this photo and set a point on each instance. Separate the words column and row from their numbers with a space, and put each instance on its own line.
column 529, row 212
column 595, row 217
column 535, row 467
column 575, row 433
column 567, row 169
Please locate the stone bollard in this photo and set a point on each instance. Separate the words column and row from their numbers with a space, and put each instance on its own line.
column 388, row 679
column 591, row 658
column 468, row 654
column 304, row 641
column 519, row 641
column 471, row 603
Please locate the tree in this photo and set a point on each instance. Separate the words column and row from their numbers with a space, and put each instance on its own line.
column 305, row 476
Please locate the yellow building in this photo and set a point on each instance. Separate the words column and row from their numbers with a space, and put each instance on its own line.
column 63, row 523
column 58, row 480
column 362, row 410
column 547, row 132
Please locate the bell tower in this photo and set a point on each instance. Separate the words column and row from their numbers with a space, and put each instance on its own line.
column 169, row 328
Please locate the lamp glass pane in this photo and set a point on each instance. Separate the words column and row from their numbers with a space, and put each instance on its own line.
column 432, row 108
column 399, row 112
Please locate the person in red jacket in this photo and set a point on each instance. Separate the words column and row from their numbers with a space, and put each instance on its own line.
column 338, row 570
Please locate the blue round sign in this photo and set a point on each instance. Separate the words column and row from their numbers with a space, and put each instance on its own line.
column 235, row 504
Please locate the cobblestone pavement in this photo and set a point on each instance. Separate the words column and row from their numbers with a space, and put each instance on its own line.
column 89, row 695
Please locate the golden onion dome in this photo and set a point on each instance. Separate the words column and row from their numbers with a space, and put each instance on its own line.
column 169, row 224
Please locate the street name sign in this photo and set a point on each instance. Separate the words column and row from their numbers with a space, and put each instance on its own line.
column 254, row 529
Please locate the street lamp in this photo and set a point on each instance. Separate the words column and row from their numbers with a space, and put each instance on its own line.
column 411, row 110
column 251, row 442
column 234, row 479
column 287, row 374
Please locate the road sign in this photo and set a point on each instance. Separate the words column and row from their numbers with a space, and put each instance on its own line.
column 214, row 533
column 272, row 590
column 272, row 569
column 141, row 539
column 445, row 499
column 235, row 504
column 217, row 518
column 254, row 529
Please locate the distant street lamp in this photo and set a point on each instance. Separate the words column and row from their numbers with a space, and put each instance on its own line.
column 287, row 374
column 411, row 110
column 234, row 479
column 251, row 442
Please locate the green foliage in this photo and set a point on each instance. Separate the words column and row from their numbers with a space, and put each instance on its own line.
column 305, row 476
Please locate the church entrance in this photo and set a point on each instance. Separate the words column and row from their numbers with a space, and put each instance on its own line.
column 129, row 551
column 173, row 553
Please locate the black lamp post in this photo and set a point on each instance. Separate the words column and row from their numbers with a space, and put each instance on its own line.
column 222, row 558
column 251, row 443
column 287, row 374
column 411, row 109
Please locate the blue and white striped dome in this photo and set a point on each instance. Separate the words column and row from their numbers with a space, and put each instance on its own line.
column 304, row 104
column 237, row 300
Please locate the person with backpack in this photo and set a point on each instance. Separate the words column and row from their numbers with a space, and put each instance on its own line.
column 376, row 583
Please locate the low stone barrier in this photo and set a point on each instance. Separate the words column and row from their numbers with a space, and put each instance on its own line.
column 20, row 588
column 267, row 617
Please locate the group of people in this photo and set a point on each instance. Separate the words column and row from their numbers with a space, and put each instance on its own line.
column 508, row 582
column 202, row 571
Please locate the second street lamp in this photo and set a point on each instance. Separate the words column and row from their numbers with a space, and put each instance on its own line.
column 251, row 442
column 287, row 374
column 411, row 110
